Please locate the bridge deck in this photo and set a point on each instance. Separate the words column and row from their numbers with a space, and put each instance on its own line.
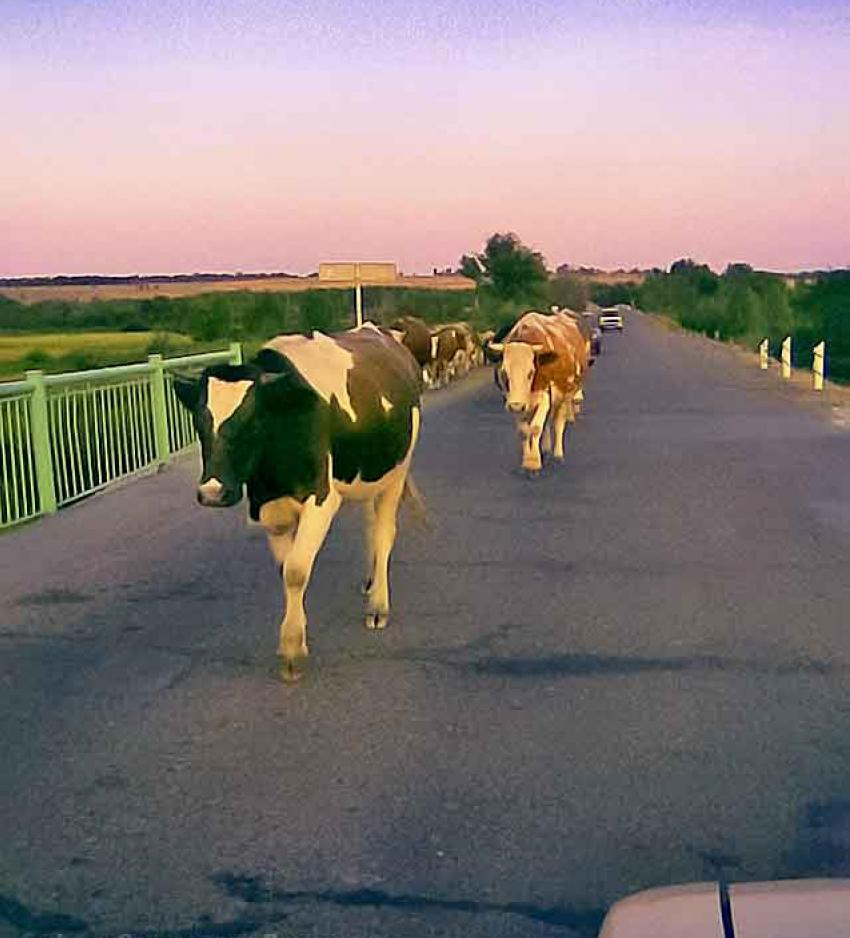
column 633, row 671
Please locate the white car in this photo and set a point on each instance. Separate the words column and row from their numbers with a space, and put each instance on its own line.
column 814, row 908
column 610, row 319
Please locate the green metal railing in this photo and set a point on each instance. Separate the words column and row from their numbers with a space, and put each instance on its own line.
column 65, row 436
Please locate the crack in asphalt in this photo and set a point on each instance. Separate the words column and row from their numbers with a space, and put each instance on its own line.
column 58, row 924
column 590, row 665
column 39, row 923
column 463, row 657
column 587, row 665
column 251, row 889
column 53, row 596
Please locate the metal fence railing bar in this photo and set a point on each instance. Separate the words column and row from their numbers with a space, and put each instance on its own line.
column 63, row 437
column 18, row 491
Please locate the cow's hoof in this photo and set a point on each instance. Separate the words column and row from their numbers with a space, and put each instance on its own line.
column 531, row 473
column 292, row 670
column 376, row 621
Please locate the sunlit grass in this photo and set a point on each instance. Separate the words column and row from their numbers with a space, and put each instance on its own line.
column 74, row 351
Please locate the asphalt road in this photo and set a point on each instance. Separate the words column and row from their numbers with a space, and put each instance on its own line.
column 630, row 672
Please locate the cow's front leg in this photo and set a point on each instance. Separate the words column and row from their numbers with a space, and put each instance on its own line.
column 532, row 461
column 313, row 524
column 383, row 539
column 563, row 415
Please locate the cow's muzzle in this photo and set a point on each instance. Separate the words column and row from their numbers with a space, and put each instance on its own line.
column 515, row 407
column 212, row 494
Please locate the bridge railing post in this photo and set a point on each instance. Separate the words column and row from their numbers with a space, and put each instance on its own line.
column 786, row 357
column 40, row 429
column 160, row 411
column 818, row 362
column 764, row 351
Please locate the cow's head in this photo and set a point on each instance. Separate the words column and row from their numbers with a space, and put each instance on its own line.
column 232, row 407
column 519, row 364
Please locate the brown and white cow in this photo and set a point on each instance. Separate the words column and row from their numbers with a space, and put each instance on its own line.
column 311, row 422
column 543, row 364
column 455, row 350
column 473, row 346
column 415, row 336
column 448, row 345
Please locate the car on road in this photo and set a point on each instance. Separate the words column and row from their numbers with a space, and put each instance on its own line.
column 610, row 319
column 595, row 341
column 814, row 908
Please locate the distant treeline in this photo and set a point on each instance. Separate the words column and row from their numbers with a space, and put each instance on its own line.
column 236, row 316
column 747, row 305
column 86, row 280
column 741, row 304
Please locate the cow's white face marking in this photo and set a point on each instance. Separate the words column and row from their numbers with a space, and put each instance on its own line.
column 518, row 366
column 323, row 363
column 211, row 489
column 387, row 405
column 223, row 398
column 434, row 342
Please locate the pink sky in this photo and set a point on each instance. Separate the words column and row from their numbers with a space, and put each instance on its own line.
column 252, row 136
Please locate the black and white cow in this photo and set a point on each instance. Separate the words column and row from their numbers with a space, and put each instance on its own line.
column 311, row 422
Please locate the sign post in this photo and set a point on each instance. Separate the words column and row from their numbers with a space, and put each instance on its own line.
column 358, row 297
column 818, row 365
column 345, row 274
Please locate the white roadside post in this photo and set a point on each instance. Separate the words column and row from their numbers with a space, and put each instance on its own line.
column 764, row 350
column 358, row 297
column 818, row 365
column 786, row 357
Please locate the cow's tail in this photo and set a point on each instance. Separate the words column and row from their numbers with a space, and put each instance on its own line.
column 412, row 497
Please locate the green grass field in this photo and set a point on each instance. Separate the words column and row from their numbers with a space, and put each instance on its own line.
column 74, row 351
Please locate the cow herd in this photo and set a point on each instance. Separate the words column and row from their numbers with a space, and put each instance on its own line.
column 315, row 421
column 444, row 352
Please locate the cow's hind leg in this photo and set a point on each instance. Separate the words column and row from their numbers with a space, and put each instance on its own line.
column 383, row 539
column 546, row 439
column 313, row 525
column 578, row 401
column 280, row 544
column 369, row 543
column 546, row 434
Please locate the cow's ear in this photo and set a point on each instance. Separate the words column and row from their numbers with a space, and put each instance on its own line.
column 545, row 358
column 188, row 391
